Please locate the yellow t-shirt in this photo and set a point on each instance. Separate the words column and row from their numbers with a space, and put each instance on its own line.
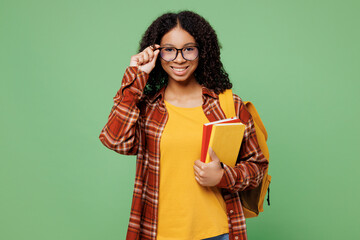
column 187, row 211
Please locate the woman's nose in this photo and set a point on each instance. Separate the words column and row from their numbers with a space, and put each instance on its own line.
column 179, row 58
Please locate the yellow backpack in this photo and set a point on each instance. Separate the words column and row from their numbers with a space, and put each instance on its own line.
column 252, row 200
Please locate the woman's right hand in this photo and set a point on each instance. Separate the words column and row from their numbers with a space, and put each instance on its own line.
column 146, row 59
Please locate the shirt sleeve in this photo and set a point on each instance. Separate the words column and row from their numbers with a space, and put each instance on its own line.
column 251, row 165
column 122, row 131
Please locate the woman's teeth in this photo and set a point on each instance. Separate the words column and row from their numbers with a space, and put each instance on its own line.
column 179, row 69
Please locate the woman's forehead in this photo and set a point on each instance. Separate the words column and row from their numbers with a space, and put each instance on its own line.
column 177, row 37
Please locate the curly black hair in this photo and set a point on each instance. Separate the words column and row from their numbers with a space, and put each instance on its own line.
column 210, row 71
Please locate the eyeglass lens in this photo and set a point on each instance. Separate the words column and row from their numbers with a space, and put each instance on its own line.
column 170, row 53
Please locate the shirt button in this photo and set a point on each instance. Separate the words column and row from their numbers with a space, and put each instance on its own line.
column 231, row 211
column 208, row 112
column 236, row 237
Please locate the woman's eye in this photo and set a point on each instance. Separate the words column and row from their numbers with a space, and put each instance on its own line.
column 189, row 49
column 168, row 49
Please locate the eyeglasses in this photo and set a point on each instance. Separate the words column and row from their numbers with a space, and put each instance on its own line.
column 170, row 53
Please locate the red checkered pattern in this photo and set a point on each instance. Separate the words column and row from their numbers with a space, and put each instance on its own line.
column 134, row 127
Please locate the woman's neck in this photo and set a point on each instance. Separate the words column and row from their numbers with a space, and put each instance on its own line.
column 184, row 94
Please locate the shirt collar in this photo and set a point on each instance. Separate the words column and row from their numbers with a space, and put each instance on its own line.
column 209, row 92
column 160, row 94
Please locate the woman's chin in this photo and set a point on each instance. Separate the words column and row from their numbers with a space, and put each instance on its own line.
column 182, row 79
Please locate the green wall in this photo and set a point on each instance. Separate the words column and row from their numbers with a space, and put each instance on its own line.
column 61, row 63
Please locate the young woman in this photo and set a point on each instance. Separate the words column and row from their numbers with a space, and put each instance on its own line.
column 168, row 92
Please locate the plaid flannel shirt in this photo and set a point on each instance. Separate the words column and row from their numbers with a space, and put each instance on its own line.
column 134, row 127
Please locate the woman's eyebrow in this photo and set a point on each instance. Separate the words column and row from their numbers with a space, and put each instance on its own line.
column 186, row 44
column 191, row 43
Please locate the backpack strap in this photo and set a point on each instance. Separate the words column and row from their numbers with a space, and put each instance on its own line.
column 228, row 106
column 227, row 103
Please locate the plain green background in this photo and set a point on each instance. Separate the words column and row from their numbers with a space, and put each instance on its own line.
column 61, row 63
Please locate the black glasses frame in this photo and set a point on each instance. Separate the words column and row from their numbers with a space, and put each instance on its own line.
column 177, row 52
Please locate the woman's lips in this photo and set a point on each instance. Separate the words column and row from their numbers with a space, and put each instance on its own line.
column 179, row 70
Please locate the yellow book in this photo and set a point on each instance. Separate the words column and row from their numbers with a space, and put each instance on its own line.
column 226, row 140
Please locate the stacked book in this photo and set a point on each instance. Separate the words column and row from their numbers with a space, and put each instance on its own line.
column 224, row 137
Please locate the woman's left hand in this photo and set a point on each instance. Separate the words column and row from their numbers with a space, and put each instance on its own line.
column 208, row 174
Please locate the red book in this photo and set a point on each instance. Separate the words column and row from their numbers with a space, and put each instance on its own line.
column 207, row 133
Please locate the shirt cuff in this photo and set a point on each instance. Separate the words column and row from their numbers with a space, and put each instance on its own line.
column 228, row 178
column 131, row 74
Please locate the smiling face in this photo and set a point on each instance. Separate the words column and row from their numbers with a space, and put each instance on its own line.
column 180, row 69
